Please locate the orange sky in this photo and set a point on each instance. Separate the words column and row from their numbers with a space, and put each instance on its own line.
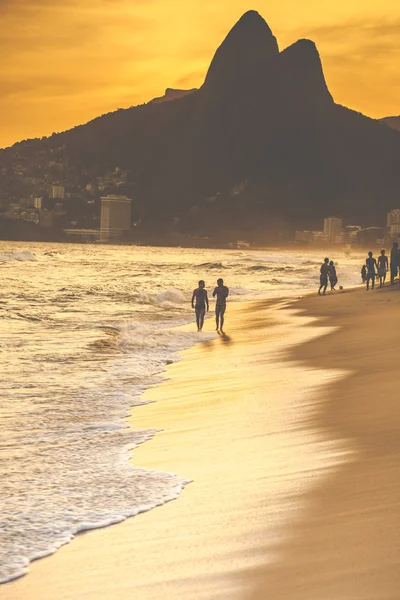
column 67, row 61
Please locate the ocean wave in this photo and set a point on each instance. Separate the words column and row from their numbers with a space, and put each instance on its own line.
column 53, row 254
column 19, row 256
column 259, row 268
column 212, row 265
column 140, row 335
column 239, row 291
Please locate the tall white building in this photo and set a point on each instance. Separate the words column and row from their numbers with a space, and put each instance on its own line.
column 57, row 191
column 333, row 228
column 115, row 217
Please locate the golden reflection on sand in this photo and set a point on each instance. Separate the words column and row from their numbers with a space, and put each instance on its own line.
column 243, row 424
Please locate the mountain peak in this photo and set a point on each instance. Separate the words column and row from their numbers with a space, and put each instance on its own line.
column 246, row 49
column 251, row 15
column 302, row 68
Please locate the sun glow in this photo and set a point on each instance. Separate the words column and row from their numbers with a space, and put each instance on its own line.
column 67, row 63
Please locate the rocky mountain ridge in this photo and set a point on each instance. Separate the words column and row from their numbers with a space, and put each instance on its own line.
column 260, row 148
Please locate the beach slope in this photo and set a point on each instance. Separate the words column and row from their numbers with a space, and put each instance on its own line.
column 288, row 427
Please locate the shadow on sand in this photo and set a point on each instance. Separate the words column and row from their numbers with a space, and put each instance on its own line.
column 346, row 543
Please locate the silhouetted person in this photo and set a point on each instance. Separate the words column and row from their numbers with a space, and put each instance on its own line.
column 332, row 275
column 222, row 292
column 363, row 273
column 383, row 267
column 394, row 262
column 323, row 279
column 199, row 303
column 371, row 270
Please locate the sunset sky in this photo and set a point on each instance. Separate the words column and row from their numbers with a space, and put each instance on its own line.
column 65, row 62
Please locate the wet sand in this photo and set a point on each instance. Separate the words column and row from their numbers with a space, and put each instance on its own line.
column 289, row 429
column 346, row 545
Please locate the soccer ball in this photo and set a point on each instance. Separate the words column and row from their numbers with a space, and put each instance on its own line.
column 340, row 287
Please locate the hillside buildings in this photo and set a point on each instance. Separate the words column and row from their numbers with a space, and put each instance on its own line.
column 57, row 191
column 352, row 235
column 115, row 217
column 335, row 234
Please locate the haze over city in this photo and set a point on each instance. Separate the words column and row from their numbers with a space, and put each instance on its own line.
column 68, row 62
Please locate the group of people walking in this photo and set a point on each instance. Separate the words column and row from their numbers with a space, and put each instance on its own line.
column 380, row 268
column 370, row 270
column 200, row 304
column 328, row 273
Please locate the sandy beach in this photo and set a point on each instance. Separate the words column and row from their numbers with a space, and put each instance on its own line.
column 288, row 428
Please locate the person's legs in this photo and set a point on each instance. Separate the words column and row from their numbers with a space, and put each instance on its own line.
column 373, row 281
column 202, row 313
column 323, row 284
column 368, row 278
column 198, row 311
column 222, row 317
column 217, row 311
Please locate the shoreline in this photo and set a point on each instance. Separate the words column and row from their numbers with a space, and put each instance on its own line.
column 280, row 456
column 345, row 545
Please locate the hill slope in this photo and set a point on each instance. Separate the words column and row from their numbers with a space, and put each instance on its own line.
column 393, row 122
column 261, row 143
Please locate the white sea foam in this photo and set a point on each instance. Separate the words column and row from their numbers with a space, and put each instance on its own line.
column 21, row 256
column 87, row 335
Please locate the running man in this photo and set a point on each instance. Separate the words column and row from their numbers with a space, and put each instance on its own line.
column 383, row 267
column 199, row 303
column 372, row 267
column 222, row 293
column 323, row 280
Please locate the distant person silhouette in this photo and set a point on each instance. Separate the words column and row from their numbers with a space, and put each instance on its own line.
column 332, row 275
column 199, row 303
column 371, row 270
column 222, row 292
column 363, row 273
column 323, row 279
column 394, row 262
column 383, row 267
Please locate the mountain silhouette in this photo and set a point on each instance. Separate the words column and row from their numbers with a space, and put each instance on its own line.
column 172, row 94
column 393, row 122
column 260, row 147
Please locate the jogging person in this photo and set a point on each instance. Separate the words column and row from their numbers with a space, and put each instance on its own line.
column 222, row 292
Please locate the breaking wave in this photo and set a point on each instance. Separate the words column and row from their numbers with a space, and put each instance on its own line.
column 20, row 256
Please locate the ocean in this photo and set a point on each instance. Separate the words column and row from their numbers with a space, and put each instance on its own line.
column 85, row 329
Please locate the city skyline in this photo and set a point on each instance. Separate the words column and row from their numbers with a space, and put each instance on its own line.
column 117, row 54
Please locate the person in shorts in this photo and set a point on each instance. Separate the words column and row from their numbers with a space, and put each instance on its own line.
column 332, row 275
column 221, row 292
column 200, row 303
column 372, row 268
column 323, row 279
column 383, row 267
